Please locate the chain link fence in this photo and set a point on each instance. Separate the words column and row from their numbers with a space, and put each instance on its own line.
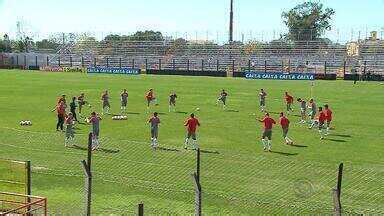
column 127, row 172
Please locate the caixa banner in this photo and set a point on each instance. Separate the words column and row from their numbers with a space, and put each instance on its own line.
column 279, row 76
column 113, row 70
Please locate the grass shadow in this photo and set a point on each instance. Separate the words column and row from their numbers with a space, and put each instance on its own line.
column 284, row 153
column 162, row 113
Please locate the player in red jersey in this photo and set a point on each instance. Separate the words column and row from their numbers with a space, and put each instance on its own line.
column 267, row 133
column 284, row 122
column 328, row 117
column 191, row 123
column 289, row 101
column 321, row 118
column 150, row 97
column 60, row 109
column 105, row 103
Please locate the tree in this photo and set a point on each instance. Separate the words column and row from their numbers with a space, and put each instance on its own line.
column 307, row 21
column 47, row 44
column 178, row 47
column 146, row 36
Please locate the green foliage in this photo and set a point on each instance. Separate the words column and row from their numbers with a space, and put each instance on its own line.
column 47, row 44
column 308, row 21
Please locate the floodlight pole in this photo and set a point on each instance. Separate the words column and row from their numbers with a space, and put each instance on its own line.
column 230, row 30
column 231, row 23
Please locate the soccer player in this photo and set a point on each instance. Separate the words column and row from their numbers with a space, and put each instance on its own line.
column 154, row 121
column 262, row 96
column 191, row 124
column 312, row 111
column 289, row 102
column 105, row 101
column 72, row 107
column 95, row 121
column 328, row 117
column 124, row 100
column 284, row 122
column 267, row 134
column 60, row 109
column 62, row 99
column 69, row 134
column 223, row 98
column 303, row 110
column 172, row 101
column 81, row 101
column 150, row 96
column 322, row 119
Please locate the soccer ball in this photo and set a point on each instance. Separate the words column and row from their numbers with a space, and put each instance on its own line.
column 22, row 123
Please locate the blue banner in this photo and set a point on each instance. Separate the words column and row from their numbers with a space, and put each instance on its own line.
column 280, row 76
column 113, row 70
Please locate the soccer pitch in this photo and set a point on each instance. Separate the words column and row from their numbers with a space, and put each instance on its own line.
column 237, row 177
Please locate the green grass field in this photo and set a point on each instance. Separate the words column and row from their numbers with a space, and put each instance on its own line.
column 237, row 177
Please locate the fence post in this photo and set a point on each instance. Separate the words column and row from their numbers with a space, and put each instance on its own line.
column 47, row 61
column 133, row 63
column 59, row 61
column 202, row 64
column 217, row 65
column 107, row 62
column 146, row 64
column 17, row 60
column 187, row 64
column 282, row 65
column 197, row 194
column 94, row 62
column 344, row 68
column 82, row 61
column 88, row 181
column 336, row 192
column 120, row 62
column 173, row 64
column 141, row 209
column 70, row 61
column 198, row 164
column 29, row 182
column 159, row 64
column 36, row 61
column 25, row 62
column 325, row 68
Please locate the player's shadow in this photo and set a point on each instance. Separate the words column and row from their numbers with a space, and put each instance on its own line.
column 336, row 140
column 284, row 153
column 232, row 110
column 181, row 112
column 299, row 146
column 111, row 151
column 209, row 152
column 79, row 147
column 341, row 135
column 168, row 149
column 132, row 113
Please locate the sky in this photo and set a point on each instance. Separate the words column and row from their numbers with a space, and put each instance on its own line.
column 195, row 19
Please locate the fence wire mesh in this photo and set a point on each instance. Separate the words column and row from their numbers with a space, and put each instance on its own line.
column 128, row 172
